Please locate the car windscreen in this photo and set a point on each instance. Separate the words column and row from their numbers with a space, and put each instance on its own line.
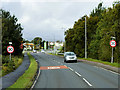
column 71, row 53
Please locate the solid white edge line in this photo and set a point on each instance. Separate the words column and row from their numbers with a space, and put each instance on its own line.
column 35, row 80
column 77, row 73
column 114, row 72
column 107, row 70
column 87, row 82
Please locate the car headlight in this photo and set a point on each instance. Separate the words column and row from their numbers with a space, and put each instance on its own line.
column 67, row 57
column 75, row 57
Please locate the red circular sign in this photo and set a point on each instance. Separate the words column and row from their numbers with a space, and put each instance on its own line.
column 10, row 49
column 113, row 43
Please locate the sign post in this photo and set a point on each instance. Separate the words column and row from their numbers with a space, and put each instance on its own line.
column 112, row 44
column 10, row 49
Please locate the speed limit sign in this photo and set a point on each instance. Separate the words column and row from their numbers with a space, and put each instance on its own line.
column 113, row 43
column 10, row 49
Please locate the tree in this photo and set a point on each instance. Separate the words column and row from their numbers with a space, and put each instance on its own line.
column 101, row 25
column 37, row 40
column 11, row 31
column 110, row 26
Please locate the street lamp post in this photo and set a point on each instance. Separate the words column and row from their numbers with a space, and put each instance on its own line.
column 39, row 43
column 54, row 43
column 85, row 39
column 64, row 39
column 33, row 44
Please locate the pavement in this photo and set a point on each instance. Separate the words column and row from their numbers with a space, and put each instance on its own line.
column 11, row 78
column 54, row 74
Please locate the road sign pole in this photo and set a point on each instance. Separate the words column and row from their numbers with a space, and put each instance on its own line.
column 10, row 53
column 10, row 56
column 112, row 44
column 112, row 56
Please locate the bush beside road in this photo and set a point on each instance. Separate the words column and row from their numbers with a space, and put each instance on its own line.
column 9, row 66
column 26, row 80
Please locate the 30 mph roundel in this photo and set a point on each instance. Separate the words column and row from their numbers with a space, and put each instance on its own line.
column 112, row 43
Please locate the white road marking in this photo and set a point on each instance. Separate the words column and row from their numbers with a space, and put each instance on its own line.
column 35, row 80
column 70, row 68
column 87, row 82
column 95, row 66
column 114, row 72
column 53, row 67
column 107, row 70
column 77, row 73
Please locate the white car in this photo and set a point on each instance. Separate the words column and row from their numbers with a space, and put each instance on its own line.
column 42, row 51
column 34, row 51
column 70, row 56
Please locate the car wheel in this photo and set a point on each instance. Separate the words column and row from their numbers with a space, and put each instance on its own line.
column 64, row 60
column 75, row 61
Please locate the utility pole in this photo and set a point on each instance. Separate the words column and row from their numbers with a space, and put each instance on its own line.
column 54, row 43
column 33, row 44
column 85, row 39
column 39, row 43
column 64, row 42
column 64, row 38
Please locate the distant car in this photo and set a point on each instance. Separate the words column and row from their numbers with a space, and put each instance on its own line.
column 42, row 51
column 34, row 51
column 70, row 56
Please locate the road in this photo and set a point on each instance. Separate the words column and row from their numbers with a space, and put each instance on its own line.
column 57, row 74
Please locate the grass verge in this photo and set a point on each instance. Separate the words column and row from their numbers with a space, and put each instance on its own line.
column 26, row 80
column 100, row 61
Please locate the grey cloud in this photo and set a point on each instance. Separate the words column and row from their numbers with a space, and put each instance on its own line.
column 46, row 19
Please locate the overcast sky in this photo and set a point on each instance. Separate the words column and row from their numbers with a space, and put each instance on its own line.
column 49, row 18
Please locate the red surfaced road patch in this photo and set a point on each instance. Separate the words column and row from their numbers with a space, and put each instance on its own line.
column 53, row 67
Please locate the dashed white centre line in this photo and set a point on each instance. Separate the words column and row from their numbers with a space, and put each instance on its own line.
column 77, row 73
column 87, row 82
column 71, row 69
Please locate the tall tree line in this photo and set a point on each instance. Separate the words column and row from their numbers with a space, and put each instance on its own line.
column 102, row 23
column 11, row 32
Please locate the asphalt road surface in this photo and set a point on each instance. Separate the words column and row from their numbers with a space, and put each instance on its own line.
column 57, row 74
